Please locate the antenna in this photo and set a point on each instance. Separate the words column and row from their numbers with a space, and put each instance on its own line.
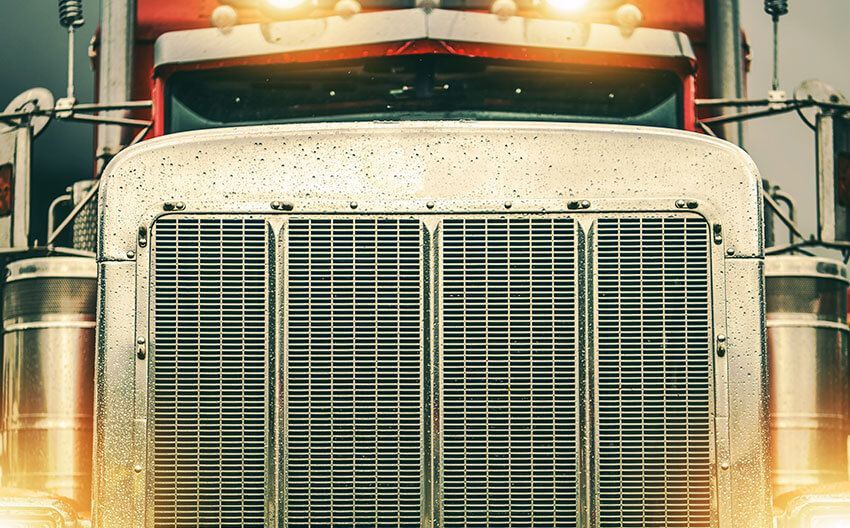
column 776, row 9
column 71, row 17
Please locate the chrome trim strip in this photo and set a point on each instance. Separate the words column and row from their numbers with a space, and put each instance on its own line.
column 807, row 323
column 805, row 266
column 49, row 324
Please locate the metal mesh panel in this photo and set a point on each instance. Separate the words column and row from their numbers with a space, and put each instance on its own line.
column 84, row 228
column 49, row 295
column 210, row 379
column 509, row 372
column 653, row 372
column 354, row 373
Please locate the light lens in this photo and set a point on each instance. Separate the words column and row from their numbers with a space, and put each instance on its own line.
column 830, row 521
column 568, row 6
column 285, row 5
column 824, row 506
column 26, row 523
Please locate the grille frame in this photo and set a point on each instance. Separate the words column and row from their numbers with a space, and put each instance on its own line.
column 432, row 339
column 282, row 393
column 576, row 252
column 147, row 376
column 716, row 375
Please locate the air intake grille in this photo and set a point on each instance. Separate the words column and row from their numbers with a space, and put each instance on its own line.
column 354, row 373
column 509, row 373
column 209, row 403
column 654, row 373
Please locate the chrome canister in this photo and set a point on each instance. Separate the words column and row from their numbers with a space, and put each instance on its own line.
column 807, row 353
column 47, row 375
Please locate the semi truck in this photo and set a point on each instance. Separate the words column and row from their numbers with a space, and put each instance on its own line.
column 453, row 263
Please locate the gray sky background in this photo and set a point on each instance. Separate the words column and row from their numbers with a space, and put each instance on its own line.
column 815, row 44
column 33, row 53
column 815, row 41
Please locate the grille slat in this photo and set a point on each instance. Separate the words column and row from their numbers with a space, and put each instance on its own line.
column 509, row 373
column 653, row 372
column 354, row 373
column 210, row 371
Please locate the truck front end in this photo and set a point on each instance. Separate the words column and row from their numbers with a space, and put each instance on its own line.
column 462, row 264
column 431, row 323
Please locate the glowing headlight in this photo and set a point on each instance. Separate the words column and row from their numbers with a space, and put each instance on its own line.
column 567, row 6
column 27, row 523
column 21, row 509
column 831, row 521
column 823, row 507
column 285, row 5
column 285, row 8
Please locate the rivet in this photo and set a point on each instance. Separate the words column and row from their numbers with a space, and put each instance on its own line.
column 180, row 206
column 172, row 206
column 131, row 254
column 693, row 204
column 137, row 468
column 721, row 338
column 585, row 204
column 141, row 352
column 275, row 205
column 508, row 205
column 429, row 205
column 353, row 205
column 730, row 251
column 140, row 340
column 681, row 204
column 724, row 465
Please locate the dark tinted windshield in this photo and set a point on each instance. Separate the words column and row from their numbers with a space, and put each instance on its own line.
column 421, row 87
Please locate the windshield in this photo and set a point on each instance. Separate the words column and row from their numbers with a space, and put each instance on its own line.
column 421, row 87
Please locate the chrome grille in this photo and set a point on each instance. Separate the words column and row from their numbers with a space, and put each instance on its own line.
column 209, row 370
column 653, row 372
column 509, row 372
column 354, row 373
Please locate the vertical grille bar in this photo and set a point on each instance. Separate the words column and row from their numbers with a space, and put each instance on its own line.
column 509, row 373
column 209, row 368
column 354, row 373
column 653, row 372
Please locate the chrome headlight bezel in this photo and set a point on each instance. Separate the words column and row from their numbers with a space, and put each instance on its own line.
column 818, row 510
column 28, row 509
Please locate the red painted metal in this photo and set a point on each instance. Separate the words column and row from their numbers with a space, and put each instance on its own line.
column 155, row 17
column 159, row 16
column 158, row 98
column 6, row 200
column 687, row 16
column 689, row 91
